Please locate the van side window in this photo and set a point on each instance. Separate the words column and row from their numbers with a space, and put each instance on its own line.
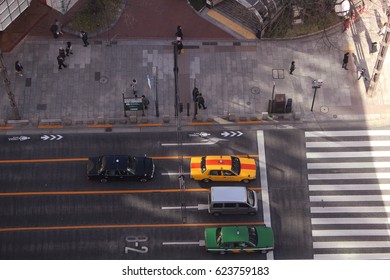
column 230, row 205
column 217, row 205
column 243, row 205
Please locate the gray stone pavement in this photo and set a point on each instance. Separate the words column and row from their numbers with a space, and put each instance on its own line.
column 235, row 77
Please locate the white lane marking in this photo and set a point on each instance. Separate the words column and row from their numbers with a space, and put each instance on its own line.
column 199, row 207
column 199, row 243
column 264, row 184
column 347, row 133
column 352, row 232
column 338, row 221
column 335, row 165
column 373, row 256
column 327, row 198
column 355, row 209
column 351, row 244
column 343, row 144
column 338, row 176
column 349, row 187
column 174, row 173
column 209, row 141
column 348, row 154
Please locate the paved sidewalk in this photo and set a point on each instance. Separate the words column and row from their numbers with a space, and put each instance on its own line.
column 235, row 77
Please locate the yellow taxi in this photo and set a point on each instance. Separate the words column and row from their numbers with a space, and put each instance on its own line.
column 223, row 168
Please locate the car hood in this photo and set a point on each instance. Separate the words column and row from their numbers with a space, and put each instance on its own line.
column 92, row 166
column 265, row 237
column 211, row 238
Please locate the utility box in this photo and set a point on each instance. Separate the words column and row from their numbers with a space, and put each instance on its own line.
column 280, row 103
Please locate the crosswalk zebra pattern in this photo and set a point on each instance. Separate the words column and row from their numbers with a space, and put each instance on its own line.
column 349, row 191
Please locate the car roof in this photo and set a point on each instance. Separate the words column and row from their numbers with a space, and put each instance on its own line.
column 117, row 162
column 228, row 194
column 219, row 162
column 235, row 234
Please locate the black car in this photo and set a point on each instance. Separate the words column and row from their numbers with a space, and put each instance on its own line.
column 123, row 167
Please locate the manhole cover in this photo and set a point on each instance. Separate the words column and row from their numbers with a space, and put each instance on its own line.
column 248, row 103
column 255, row 90
column 103, row 80
column 324, row 109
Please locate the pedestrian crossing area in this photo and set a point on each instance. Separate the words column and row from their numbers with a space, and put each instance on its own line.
column 349, row 191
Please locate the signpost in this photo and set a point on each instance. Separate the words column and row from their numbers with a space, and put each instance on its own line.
column 133, row 104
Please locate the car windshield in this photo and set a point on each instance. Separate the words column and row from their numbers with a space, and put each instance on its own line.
column 252, row 235
column 131, row 165
column 236, row 166
column 251, row 198
column 203, row 164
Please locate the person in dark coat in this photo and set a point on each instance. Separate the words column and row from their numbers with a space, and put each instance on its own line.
column 84, row 37
column 68, row 49
column 179, row 47
column 200, row 101
column 345, row 61
column 19, row 68
column 61, row 52
column 195, row 93
column 54, row 31
column 179, row 33
column 60, row 61
column 292, row 67
column 145, row 102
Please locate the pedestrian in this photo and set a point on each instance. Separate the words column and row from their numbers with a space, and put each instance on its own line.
column 59, row 26
column 179, row 47
column 68, row 49
column 292, row 67
column 200, row 101
column 382, row 31
column 145, row 102
column 345, row 61
column 84, row 37
column 362, row 72
column 54, row 31
column 60, row 61
column 179, row 33
column 134, row 87
column 19, row 68
column 61, row 52
column 195, row 93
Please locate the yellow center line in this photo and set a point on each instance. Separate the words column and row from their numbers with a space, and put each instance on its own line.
column 85, row 159
column 99, row 192
column 75, row 227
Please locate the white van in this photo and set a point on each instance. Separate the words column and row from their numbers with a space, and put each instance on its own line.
column 232, row 200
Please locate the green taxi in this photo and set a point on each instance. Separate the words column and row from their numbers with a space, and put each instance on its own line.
column 239, row 239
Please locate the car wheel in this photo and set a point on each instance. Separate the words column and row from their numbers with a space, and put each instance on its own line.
column 143, row 180
column 206, row 180
column 246, row 181
column 264, row 251
column 103, row 180
column 252, row 213
column 217, row 214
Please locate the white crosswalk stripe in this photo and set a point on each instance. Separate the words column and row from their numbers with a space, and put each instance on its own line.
column 349, row 193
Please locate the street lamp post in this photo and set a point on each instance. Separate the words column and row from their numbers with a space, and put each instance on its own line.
column 316, row 85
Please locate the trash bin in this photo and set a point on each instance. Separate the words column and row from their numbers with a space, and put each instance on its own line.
column 374, row 47
column 280, row 103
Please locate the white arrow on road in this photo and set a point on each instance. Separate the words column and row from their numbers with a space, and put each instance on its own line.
column 51, row 137
column 199, row 207
column 231, row 133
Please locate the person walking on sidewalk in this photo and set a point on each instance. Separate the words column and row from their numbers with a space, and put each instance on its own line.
column 134, row 87
column 345, row 61
column 179, row 47
column 179, row 33
column 200, row 101
column 362, row 72
column 61, row 52
column 145, row 102
column 59, row 26
column 68, row 49
column 60, row 61
column 292, row 67
column 84, row 37
column 19, row 68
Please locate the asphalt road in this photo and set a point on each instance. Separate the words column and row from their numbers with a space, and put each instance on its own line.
column 50, row 210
